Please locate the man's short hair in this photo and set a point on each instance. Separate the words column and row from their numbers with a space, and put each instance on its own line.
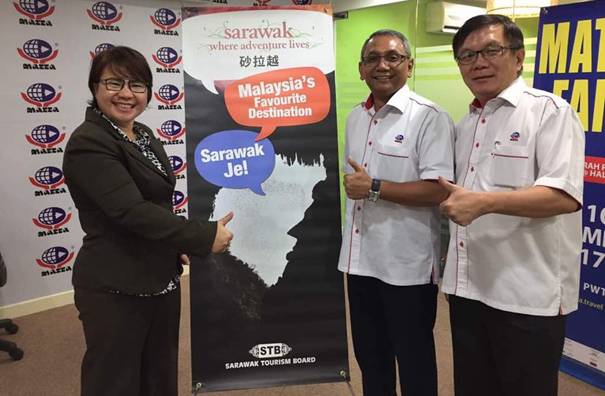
column 512, row 33
column 388, row 32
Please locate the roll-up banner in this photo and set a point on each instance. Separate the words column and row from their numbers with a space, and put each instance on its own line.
column 570, row 62
column 262, row 142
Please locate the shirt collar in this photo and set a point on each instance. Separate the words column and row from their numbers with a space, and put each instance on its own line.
column 399, row 99
column 511, row 94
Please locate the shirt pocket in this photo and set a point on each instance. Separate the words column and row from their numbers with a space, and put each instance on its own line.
column 392, row 163
column 510, row 167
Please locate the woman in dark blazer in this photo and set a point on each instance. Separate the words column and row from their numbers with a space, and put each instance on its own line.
column 126, row 275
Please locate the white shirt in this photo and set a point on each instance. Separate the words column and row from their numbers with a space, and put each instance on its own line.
column 522, row 138
column 408, row 139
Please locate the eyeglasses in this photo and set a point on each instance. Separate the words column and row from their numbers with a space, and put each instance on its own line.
column 490, row 52
column 116, row 84
column 392, row 59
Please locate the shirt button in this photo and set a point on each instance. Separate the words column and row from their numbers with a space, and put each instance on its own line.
column 365, row 165
column 477, row 144
column 375, row 122
column 369, row 143
column 461, row 244
column 483, row 121
column 472, row 168
column 359, row 208
column 357, row 230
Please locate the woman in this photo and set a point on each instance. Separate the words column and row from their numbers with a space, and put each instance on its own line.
column 126, row 275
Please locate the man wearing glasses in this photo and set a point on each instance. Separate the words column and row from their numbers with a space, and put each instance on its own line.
column 512, row 268
column 397, row 145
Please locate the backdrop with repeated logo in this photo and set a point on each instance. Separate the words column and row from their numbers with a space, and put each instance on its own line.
column 570, row 61
column 48, row 46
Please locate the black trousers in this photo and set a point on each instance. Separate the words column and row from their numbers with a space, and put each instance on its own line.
column 393, row 323
column 131, row 343
column 501, row 353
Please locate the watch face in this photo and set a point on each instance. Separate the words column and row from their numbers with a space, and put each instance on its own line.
column 373, row 196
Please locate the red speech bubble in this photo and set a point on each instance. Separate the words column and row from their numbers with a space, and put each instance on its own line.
column 286, row 97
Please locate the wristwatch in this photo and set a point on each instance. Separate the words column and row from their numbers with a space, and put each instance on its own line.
column 374, row 193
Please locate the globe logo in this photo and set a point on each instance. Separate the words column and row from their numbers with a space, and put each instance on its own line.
column 41, row 92
column 169, row 92
column 55, row 257
column 165, row 17
column 34, row 7
column 104, row 11
column 51, row 216
column 45, row 134
column 178, row 198
column 176, row 163
column 49, row 176
column 102, row 47
column 38, row 49
column 171, row 129
column 167, row 56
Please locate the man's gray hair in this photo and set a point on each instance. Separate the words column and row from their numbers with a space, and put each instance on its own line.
column 388, row 32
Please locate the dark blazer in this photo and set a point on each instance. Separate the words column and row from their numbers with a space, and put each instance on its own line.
column 133, row 239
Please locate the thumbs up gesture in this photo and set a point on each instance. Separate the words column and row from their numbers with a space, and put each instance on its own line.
column 462, row 206
column 223, row 236
column 357, row 184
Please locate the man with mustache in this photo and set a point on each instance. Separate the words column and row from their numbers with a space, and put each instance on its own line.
column 397, row 145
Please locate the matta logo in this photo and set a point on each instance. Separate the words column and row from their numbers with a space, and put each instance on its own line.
column 100, row 48
column 105, row 15
column 165, row 19
column 52, row 218
column 38, row 52
column 169, row 95
column 178, row 166
column 35, row 10
column 167, row 57
column 55, row 258
column 178, row 201
column 45, row 137
column 42, row 96
column 171, row 130
column 48, row 178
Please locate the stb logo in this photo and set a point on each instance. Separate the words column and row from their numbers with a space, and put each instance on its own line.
column 100, row 48
column 34, row 9
column 52, row 218
column 178, row 199
column 168, row 94
column 45, row 136
column 167, row 57
column 171, row 130
column 37, row 51
column 104, row 13
column 41, row 95
column 177, row 164
column 514, row 137
column 302, row 2
column 263, row 351
column 165, row 19
column 399, row 138
column 55, row 257
column 48, row 178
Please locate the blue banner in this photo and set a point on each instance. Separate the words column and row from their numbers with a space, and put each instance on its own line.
column 570, row 62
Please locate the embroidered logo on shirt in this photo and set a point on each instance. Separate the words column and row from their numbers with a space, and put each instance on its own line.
column 514, row 137
column 399, row 138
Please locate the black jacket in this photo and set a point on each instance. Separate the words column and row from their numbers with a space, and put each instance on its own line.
column 133, row 239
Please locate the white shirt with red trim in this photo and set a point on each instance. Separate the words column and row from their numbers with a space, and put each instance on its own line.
column 408, row 139
column 524, row 137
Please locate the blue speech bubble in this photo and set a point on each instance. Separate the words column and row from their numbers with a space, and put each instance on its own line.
column 232, row 159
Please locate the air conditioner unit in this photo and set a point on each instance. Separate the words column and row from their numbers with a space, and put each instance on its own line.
column 442, row 17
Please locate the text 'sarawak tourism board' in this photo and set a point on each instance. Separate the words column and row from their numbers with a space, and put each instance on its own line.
column 570, row 62
column 261, row 134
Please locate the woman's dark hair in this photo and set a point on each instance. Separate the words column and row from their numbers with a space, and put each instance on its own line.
column 512, row 33
column 125, row 62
